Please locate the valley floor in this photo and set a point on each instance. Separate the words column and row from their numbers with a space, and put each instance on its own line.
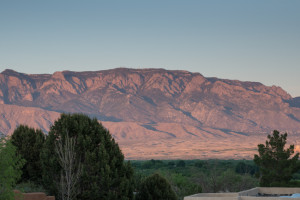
column 219, row 148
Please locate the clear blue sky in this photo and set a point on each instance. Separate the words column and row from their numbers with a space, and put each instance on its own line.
column 254, row 40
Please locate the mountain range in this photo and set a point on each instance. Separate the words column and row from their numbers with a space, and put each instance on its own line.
column 155, row 113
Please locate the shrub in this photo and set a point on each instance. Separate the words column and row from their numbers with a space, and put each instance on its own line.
column 155, row 187
column 27, row 187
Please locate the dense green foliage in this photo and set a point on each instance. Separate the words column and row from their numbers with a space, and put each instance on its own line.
column 181, row 184
column 200, row 175
column 29, row 143
column 104, row 173
column 10, row 169
column 244, row 168
column 155, row 187
column 276, row 164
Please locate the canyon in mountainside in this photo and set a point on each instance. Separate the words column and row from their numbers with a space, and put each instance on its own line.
column 155, row 113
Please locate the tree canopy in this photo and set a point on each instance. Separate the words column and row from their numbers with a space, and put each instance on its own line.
column 29, row 143
column 104, row 175
column 276, row 164
column 155, row 187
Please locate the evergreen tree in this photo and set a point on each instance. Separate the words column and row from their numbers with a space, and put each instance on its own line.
column 29, row 143
column 104, row 174
column 275, row 163
column 155, row 187
column 10, row 169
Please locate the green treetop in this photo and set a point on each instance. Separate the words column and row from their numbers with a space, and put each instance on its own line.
column 29, row 143
column 155, row 187
column 276, row 164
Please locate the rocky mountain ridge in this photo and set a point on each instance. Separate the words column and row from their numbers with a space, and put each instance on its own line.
column 149, row 104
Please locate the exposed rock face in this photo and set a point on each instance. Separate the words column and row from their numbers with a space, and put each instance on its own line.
column 150, row 105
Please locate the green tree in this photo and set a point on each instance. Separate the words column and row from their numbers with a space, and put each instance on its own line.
column 276, row 164
column 199, row 164
column 180, row 163
column 243, row 168
column 10, row 169
column 182, row 185
column 29, row 142
column 104, row 174
column 155, row 187
column 230, row 181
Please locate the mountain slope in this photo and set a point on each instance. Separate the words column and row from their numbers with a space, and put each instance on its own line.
column 12, row 115
column 139, row 105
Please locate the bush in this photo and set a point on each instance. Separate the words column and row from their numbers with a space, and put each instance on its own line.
column 155, row 187
column 233, row 182
column 27, row 187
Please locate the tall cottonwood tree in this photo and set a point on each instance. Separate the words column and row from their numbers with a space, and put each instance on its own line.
column 104, row 174
column 276, row 164
column 71, row 168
